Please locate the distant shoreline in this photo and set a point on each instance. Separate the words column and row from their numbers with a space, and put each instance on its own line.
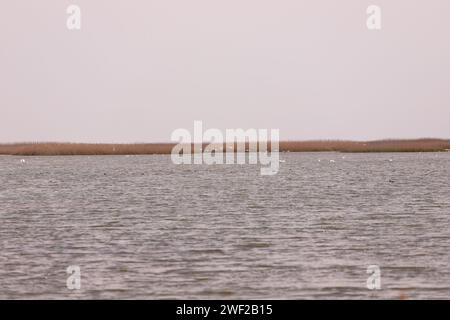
column 59, row 149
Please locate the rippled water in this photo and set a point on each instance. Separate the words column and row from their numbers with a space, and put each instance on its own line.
column 142, row 227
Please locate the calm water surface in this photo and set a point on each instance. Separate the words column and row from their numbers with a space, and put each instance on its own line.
column 142, row 227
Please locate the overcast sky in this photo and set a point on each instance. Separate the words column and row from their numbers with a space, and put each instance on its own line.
column 137, row 70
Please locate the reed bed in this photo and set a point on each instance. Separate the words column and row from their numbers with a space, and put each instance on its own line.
column 59, row 149
column 394, row 145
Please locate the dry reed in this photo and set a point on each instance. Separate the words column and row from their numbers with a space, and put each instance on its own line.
column 48, row 149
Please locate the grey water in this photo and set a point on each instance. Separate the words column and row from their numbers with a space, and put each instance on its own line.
column 142, row 227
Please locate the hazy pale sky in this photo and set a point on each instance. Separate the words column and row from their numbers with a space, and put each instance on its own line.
column 137, row 70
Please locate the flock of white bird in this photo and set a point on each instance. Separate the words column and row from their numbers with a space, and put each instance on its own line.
column 281, row 161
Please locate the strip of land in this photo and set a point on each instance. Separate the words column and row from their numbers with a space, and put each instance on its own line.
column 59, row 149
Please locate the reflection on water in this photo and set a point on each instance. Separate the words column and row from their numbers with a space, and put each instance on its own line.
column 142, row 227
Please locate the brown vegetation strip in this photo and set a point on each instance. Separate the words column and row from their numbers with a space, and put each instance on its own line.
column 48, row 149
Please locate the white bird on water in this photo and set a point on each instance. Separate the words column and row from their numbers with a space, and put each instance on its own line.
column 22, row 160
